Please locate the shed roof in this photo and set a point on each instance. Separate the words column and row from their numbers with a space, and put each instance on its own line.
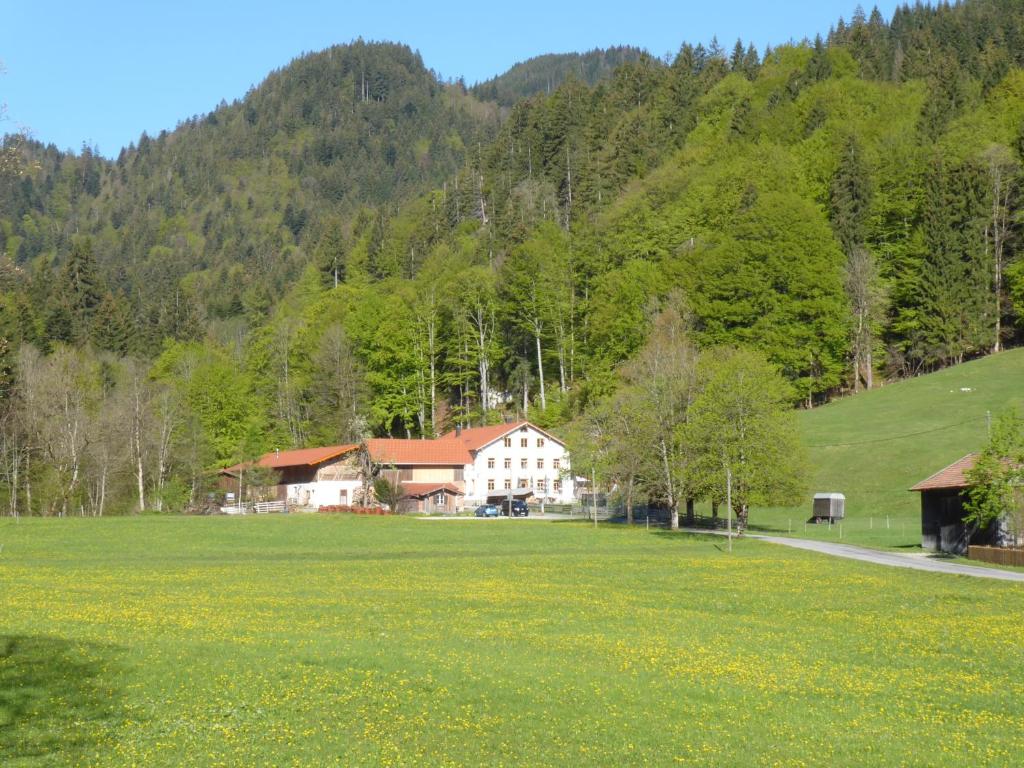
column 424, row 452
column 953, row 476
column 301, row 457
column 419, row 490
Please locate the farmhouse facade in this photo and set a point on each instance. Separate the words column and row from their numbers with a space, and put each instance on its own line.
column 517, row 459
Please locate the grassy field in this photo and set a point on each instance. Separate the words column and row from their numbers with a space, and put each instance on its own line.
column 376, row 641
column 874, row 446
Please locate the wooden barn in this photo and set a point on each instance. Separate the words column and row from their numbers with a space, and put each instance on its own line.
column 942, row 510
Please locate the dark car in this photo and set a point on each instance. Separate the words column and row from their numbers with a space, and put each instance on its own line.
column 517, row 507
column 486, row 510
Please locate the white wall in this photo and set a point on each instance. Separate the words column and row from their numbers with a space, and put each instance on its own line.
column 478, row 473
column 323, row 493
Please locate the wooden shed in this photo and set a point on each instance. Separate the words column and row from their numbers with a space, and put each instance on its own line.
column 942, row 509
column 433, row 498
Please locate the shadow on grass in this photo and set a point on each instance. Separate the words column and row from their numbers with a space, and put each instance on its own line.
column 57, row 699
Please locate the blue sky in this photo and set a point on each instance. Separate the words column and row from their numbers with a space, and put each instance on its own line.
column 101, row 73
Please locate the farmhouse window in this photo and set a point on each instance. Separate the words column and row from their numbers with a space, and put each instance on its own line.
column 542, row 485
column 540, row 442
column 540, row 463
column 490, row 485
column 508, row 485
column 508, row 442
column 490, row 463
column 524, row 443
column 556, row 463
column 557, row 485
column 508, row 463
column 460, row 473
column 522, row 463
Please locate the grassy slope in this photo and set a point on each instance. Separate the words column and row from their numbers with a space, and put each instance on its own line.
column 876, row 449
column 351, row 641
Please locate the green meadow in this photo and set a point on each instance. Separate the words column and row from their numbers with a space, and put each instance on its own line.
column 337, row 640
column 874, row 446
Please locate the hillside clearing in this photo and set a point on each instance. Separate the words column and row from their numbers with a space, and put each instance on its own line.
column 873, row 446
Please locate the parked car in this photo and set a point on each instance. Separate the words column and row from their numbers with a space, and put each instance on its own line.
column 517, row 507
column 487, row 510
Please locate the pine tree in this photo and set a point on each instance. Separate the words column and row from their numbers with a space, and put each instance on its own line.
column 850, row 196
column 112, row 328
column 955, row 319
column 330, row 253
column 82, row 287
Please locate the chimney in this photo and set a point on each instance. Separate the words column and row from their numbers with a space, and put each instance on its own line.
column 458, row 430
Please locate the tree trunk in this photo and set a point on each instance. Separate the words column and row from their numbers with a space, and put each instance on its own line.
column 432, row 340
column 629, row 503
column 689, row 512
column 540, row 373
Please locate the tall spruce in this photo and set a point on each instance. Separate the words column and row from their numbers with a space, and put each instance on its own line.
column 82, row 287
column 849, row 205
column 955, row 316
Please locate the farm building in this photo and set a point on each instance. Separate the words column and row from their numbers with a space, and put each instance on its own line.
column 431, row 472
column 433, row 498
column 942, row 510
column 309, row 477
column 463, row 466
column 517, row 459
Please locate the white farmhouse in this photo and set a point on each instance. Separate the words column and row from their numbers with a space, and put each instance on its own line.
column 517, row 459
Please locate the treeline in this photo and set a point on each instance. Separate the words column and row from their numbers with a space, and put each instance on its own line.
column 544, row 74
column 357, row 248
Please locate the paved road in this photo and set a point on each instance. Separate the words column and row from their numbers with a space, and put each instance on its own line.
column 894, row 559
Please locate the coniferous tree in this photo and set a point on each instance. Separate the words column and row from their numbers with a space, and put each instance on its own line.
column 849, row 205
column 82, row 287
column 955, row 319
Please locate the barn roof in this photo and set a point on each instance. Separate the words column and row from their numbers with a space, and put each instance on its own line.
column 419, row 490
column 301, row 457
column 428, row 452
column 475, row 438
column 952, row 477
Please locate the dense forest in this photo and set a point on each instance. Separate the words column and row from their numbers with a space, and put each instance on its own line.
column 356, row 247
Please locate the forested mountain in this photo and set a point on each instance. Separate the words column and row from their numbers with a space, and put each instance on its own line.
column 543, row 74
column 357, row 248
column 215, row 218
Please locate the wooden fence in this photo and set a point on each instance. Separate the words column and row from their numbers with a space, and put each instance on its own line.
column 997, row 555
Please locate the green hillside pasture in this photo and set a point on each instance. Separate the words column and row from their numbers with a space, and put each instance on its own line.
column 873, row 446
column 353, row 641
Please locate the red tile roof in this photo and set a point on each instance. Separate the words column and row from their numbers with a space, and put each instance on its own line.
column 302, row 457
column 476, row 438
column 430, row 452
column 426, row 489
column 953, row 476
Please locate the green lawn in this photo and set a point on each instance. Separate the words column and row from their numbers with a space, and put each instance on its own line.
column 319, row 640
column 873, row 446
